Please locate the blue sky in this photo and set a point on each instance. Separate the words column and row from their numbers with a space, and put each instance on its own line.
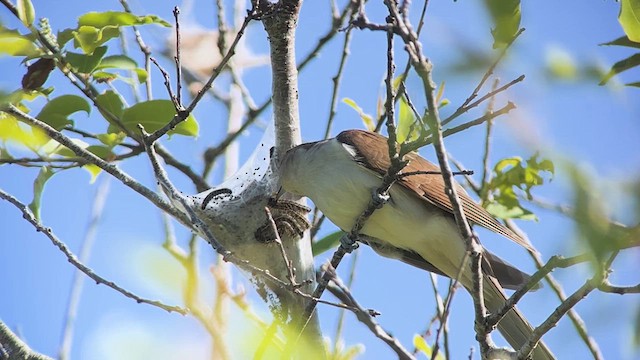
column 595, row 127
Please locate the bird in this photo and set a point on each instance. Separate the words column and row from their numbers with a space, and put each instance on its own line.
column 416, row 225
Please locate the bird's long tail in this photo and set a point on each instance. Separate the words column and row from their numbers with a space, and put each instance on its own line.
column 513, row 327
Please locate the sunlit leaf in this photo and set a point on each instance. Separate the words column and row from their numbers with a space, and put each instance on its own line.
column 86, row 63
column 141, row 74
column 513, row 174
column 14, row 44
column 117, row 62
column 111, row 139
column 101, row 151
column 38, row 187
column 560, row 64
column 629, row 18
column 406, row 119
column 506, row 18
column 26, row 12
column 64, row 37
column 103, row 76
column 10, row 130
column 118, row 18
column 366, row 118
column 326, row 243
column 56, row 112
column 153, row 115
column 90, row 38
column 112, row 103
column 421, row 345
column 93, row 171
column 502, row 211
column 622, row 65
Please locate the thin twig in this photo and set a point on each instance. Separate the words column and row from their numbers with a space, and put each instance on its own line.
column 91, row 158
column 336, row 81
column 26, row 213
column 176, row 15
column 365, row 317
column 78, row 280
column 486, row 171
column 487, row 96
column 182, row 115
column 144, row 49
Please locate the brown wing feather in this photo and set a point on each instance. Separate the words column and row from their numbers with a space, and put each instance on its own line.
column 431, row 188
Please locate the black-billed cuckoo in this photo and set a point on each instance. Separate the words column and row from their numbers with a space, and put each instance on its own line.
column 416, row 225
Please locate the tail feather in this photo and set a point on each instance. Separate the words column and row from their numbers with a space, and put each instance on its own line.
column 513, row 327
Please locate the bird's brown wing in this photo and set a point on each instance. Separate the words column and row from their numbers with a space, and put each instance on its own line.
column 430, row 188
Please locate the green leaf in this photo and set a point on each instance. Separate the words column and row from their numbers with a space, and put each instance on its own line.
column 633, row 84
column 153, row 115
column 406, row 119
column 111, row 140
column 86, row 63
column 561, row 65
column 421, row 345
column 15, row 44
column 506, row 18
column 93, row 171
column 26, row 12
column 142, row 75
column 118, row 18
column 502, row 211
column 117, row 62
column 112, row 103
column 511, row 174
column 101, row 151
column 103, row 76
column 38, row 187
column 622, row 41
column 592, row 218
column 89, row 38
column 56, row 112
column 629, row 18
column 366, row 118
column 64, row 37
column 327, row 243
column 622, row 65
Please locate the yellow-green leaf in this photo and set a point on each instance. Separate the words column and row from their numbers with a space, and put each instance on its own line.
column 629, row 18
column 111, row 139
column 118, row 18
column 26, row 12
column 326, row 243
column 93, row 171
column 153, row 115
column 84, row 63
column 506, row 18
column 15, row 44
column 117, row 62
column 421, row 345
column 406, row 119
column 622, row 65
column 110, row 102
column 56, row 112
column 38, row 187
column 366, row 118
column 89, row 38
